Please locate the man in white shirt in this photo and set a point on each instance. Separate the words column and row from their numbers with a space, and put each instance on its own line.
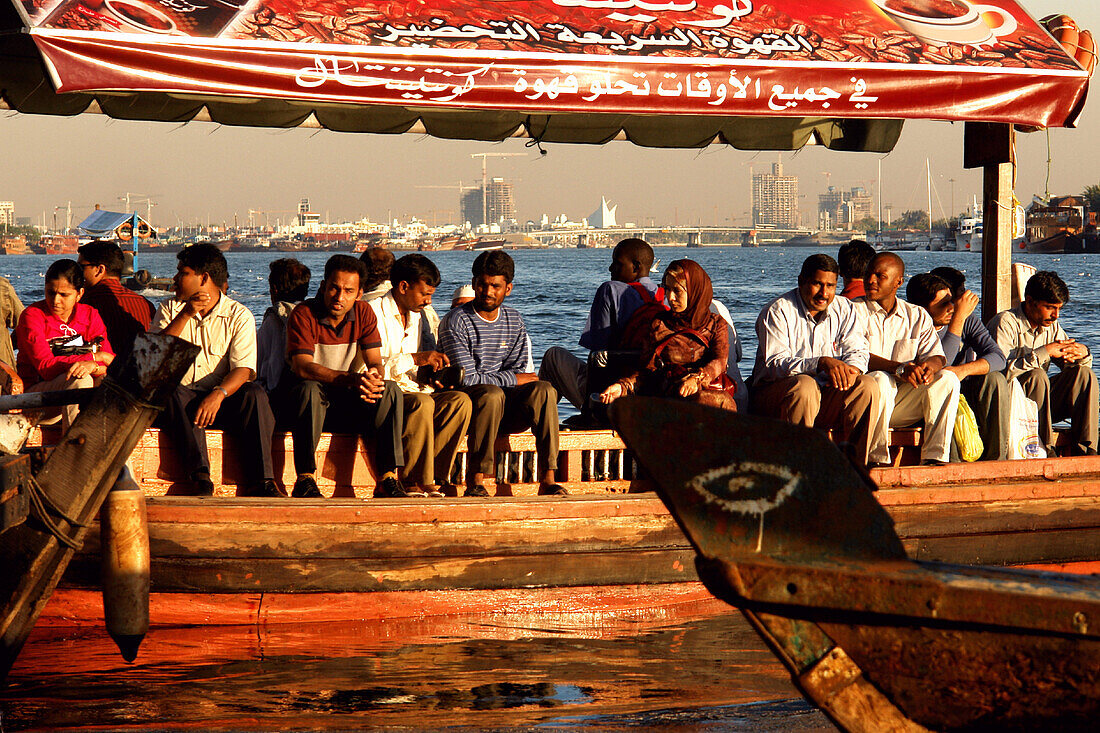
column 435, row 421
column 218, row 391
column 812, row 358
column 1031, row 339
column 907, row 363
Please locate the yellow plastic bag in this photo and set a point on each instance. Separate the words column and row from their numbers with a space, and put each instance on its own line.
column 967, row 439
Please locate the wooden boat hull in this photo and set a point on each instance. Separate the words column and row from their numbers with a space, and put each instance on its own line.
column 794, row 537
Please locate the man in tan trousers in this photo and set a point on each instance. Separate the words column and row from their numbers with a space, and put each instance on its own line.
column 812, row 358
column 435, row 420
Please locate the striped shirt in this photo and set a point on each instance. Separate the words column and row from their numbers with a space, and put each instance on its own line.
column 491, row 352
column 335, row 347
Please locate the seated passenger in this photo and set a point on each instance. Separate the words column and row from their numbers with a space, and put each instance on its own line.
column 124, row 312
column 489, row 341
column 329, row 337
column 48, row 334
column 907, row 363
column 1031, row 339
column 377, row 262
column 615, row 302
column 219, row 390
column 288, row 285
column 811, row 362
column 10, row 310
column 436, row 421
column 970, row 351
column 686, row 347
column 854, row 258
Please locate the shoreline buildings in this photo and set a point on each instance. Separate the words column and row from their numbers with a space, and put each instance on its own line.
column 775, row 199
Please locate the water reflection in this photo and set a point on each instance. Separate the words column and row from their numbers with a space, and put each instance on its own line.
column 709, row 672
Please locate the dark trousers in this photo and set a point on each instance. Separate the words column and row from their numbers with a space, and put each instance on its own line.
column 308, row 407
column 1071, row 393
column 990, row 397
column 501, row 411
column 245, row 414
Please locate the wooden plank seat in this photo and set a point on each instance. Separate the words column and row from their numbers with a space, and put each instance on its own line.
column 590, row 462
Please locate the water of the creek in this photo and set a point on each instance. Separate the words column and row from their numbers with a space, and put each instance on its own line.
column 687, row 668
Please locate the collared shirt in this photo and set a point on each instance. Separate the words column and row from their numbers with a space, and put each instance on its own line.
column 490, row 352
column 38, row 325
column 124, row 312
column 975, row 343
column 226, row 336
column 612, row 307
column 791, row 341
column 904, row 334
column 854, row 289
column 1023, row 344
column 335, row 347
column 271, row 361
column 399, row 343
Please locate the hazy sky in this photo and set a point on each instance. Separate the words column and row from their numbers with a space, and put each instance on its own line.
column 204, row 170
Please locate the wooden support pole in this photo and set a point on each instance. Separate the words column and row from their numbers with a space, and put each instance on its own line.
column 990, row 147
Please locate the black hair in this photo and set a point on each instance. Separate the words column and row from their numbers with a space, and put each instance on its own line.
column 955, row 279
column 205, row 259
column 377, row 263
column 854, row 258
column 67, row 270
column 414, row 268
column 921, row 289
column 106, row 253
column 345, row 263
column 817, row 263
column 1046, row 286
column 494, row 262
column 638, row 252
column 289, row 279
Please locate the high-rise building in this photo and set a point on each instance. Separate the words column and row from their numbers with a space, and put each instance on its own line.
column 498, row 201
column 844, row 209
column 7, row 213
column 775, row 199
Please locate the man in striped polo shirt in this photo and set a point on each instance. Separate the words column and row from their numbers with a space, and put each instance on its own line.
column 328, row 338
column 489, row 341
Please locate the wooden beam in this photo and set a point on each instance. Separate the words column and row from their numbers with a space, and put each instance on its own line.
column 991, row 147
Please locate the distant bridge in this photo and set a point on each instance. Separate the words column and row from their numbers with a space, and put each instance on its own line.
column 692, row 236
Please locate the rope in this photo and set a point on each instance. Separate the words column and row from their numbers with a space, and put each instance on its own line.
column 41, row 508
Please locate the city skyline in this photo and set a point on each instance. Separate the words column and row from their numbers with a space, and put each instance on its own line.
column 201, row 170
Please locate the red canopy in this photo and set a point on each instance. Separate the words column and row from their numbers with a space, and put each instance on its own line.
column 569, row 69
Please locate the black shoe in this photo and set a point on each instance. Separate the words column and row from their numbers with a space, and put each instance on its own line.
column 392, row 488
column 202, row 485
column 267, row 490
column 306, row 488
column 478, row 490
column 553, row 490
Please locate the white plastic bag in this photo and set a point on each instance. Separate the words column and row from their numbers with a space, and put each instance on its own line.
column 1023, row 426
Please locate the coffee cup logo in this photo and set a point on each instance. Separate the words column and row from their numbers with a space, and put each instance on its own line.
column 949, row 21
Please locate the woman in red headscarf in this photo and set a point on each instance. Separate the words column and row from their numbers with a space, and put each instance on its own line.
column 686, row 348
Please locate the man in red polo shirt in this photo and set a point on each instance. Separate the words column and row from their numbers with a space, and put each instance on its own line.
column 328, row 338
column 124, row 312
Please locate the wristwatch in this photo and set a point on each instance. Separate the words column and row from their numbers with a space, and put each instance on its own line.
column 900, row 371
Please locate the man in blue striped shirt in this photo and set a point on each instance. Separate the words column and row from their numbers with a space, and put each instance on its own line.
column 489, row 341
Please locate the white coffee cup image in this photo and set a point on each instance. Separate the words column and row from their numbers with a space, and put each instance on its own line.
column 948, row 21
column 140, row 15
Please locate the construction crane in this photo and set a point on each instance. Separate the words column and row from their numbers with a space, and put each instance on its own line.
column 139, row 198
column 461, row 190
column 485, row 180
column 67, row 207
column 266, row 212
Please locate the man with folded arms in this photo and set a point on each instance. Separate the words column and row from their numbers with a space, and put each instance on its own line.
column 907, row 363
column 328, row 337
column 1032, row 338
column 811, row 362
column 489, row 341
column 435, row 420
column 218, row 391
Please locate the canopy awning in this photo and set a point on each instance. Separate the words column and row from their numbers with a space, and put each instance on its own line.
column 675, row 73
column 101, row 224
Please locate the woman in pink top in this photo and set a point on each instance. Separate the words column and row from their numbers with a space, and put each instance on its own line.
column 49, row 330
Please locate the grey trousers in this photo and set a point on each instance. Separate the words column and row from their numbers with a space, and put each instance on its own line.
column 566, row 373
column 1072, row 394
column 501, row 411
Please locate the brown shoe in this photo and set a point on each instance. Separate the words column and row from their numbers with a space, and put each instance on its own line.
column 552, row 490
